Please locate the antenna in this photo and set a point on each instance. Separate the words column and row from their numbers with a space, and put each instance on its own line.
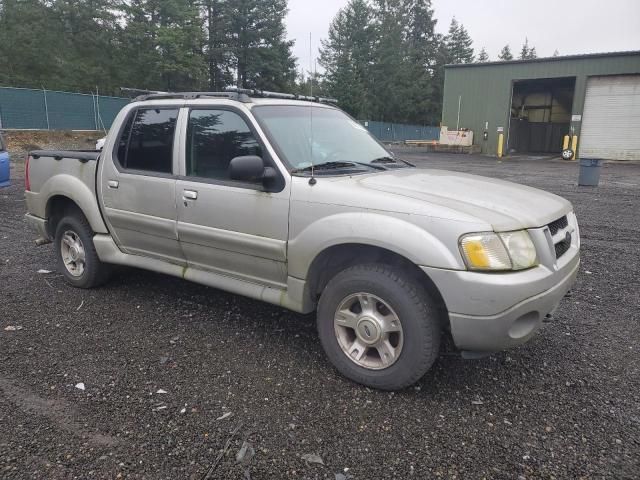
column 312, row 180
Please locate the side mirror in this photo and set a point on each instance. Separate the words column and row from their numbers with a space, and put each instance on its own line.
column 247, row 169
column 252, row 169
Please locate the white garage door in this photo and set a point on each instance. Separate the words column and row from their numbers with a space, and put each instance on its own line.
column 611, row 118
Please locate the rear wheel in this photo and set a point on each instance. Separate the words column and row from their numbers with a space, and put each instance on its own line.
column 75, row 253
column 378, row 326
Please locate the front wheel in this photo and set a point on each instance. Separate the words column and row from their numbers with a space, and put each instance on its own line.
column 378, row 326
column 75, row 253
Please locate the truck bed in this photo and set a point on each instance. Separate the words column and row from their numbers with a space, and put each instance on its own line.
column 67, row 173
column 82, row 155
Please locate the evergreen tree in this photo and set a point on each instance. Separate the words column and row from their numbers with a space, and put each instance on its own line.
column 458, row 44
column 261, row 54
column 216, row 21
column 28, row 59
column 59, row 44
column 483, row 56
column 163, row 43
column 89, row 32
column 425, row 96
column 311, row 84
column 505, row 54
column 346, row 56
column 527, row 53
column 390, row 75
column 556, row 53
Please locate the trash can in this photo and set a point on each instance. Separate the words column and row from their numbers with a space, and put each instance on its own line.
column 589, row 172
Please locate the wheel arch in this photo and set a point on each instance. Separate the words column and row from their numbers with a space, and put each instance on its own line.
column 67, row 190
column 336, row 258
column 57, row 207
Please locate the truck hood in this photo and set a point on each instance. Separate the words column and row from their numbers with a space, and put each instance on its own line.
column 503, row 205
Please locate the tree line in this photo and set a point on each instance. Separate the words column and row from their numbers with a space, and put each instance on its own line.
column 382, row 59
column 153, row 44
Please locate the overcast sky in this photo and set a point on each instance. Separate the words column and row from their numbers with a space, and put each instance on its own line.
column 571, row 26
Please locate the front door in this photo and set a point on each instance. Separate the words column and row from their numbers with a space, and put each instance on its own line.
column 139, row 185
column 228, row 227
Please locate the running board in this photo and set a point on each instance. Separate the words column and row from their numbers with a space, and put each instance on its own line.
column 290, row 297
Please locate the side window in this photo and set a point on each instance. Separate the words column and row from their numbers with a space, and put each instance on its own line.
column 124, row 141
column 146, row 142
column 214, row 138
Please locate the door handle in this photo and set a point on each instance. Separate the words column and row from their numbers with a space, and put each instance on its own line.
column 113, row 184
column 190, row 195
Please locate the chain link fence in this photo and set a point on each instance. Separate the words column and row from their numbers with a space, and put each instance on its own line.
column 30, row 109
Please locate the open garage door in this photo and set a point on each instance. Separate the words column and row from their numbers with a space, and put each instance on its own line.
column 611, row 118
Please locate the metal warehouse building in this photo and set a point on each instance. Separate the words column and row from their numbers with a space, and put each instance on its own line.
column 535, row 103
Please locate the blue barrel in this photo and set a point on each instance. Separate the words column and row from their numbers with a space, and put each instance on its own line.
column 589, row 172
column 5, row 168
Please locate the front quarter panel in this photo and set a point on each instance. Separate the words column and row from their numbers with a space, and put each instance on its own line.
column 426, row 241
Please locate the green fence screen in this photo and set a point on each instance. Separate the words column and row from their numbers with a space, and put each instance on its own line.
column 29, row 109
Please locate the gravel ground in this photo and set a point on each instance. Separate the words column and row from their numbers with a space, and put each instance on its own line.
column 566, row 405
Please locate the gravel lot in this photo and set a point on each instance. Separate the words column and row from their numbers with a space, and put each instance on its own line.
column 566, row 405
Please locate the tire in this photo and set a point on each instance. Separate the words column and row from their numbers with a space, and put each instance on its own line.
column 74, row 229
column 395, row 295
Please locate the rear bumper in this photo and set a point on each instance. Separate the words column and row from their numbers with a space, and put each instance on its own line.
column 473, row 295
column 39, row 224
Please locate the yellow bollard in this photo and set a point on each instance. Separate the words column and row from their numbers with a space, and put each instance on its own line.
column 574, row 146
column 500, row 144
column 565, row 142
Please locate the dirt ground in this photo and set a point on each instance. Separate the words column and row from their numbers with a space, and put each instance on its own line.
column 565, row 405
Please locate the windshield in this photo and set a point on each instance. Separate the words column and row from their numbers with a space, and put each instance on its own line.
column 335, row 139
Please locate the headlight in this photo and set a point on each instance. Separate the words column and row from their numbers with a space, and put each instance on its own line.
column 498, row 251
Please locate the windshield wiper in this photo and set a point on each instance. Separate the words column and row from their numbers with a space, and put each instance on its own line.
column 389, row 160
column 336, row 165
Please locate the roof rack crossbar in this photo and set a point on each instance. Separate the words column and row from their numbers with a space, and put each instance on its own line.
column 192, row 96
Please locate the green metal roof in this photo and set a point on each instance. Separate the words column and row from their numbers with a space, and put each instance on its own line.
column 559, row 58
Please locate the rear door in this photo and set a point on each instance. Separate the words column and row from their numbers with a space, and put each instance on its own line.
column 232, row 228
column 138, row 185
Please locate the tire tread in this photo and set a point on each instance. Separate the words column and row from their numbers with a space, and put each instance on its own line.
column 426, row 309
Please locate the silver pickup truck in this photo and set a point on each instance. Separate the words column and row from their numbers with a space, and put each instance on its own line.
column 292, row 202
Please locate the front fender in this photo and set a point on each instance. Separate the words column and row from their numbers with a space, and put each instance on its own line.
column 76, row 190
column 369, row 228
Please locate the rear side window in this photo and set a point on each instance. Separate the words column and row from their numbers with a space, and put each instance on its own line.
column 146, row 142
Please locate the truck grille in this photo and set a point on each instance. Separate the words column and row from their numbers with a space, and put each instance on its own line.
column 562, row 244
column 558, row 225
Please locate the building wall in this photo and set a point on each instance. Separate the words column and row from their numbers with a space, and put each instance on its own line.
column 485, row 89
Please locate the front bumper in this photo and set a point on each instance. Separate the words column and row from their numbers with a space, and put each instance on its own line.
column 492, row 312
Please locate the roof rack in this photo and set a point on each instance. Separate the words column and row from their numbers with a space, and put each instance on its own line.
column 138, row 91
column 191, row 96
column 233, row 93
column 286, row 96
